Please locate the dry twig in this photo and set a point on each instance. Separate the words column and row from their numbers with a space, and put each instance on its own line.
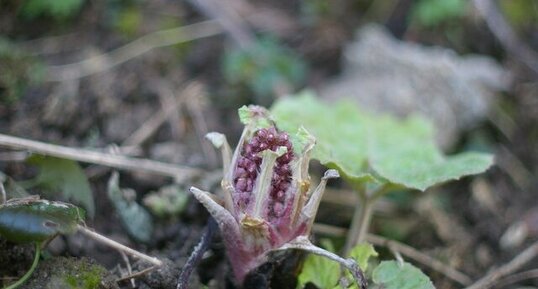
column 131, row 50
column 502, row 30
column 521, row 259
column 109, row 242
column 89, row 156
column 518, row 277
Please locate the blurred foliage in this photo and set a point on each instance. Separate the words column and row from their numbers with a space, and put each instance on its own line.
column 520, row 13
column 135, row 218
column 129, row 20
column 430, row 13
column 17, row 70
column 66, row 176
column 167, row 201
column 263, row 67
column 312, row 11
column 56, row 9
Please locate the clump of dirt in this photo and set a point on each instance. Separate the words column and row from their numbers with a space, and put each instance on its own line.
column 15, row 259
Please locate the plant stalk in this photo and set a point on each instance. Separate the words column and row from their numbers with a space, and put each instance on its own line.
column 359, row 224
column 30, row 271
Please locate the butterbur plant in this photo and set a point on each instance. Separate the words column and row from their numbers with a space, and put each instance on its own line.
column 267, row 202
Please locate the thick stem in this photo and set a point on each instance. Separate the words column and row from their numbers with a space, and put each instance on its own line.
column 359, row 224
column 30, row 271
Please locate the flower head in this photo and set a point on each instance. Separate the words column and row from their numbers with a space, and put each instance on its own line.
column 266, row 201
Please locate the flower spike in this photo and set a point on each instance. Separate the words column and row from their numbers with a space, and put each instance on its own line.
column 267, row 203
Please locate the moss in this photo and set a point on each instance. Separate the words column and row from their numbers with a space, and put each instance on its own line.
column 70, row 273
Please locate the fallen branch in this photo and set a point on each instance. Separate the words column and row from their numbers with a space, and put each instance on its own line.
column 106, row 159
column 131, row 50
column 517, row 277
column 504, row 33
column 521, row 259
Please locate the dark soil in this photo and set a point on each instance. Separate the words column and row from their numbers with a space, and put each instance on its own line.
column 108, row 107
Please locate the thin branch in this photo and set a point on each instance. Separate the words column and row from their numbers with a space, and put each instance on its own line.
column 109, row 242
column 3, row 192
column 136, row 274
column 521, row 259
column 128, row 265
column 228, row 19
column 504, row 33
column 420, row 257
column 518, row 277
column 131, row 50
column 89, row 156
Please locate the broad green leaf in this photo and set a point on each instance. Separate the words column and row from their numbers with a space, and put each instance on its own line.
column 368, row 147
column 134, row 217
column 33, row 220
column 390, row 275
column 320, row 271
column 362, row 253
column 56, row 174
column 405, row 153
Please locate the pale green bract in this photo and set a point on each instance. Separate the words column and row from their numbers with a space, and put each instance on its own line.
column 362, row 253
column 374, row 148
column 391, row 275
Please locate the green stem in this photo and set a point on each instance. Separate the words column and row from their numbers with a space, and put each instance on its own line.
column 363, row 216
column 29, row 273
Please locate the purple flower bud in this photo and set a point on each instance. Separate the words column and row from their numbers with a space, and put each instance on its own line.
column 267, row 201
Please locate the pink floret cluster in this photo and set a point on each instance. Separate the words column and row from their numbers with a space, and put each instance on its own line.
column 248, row 168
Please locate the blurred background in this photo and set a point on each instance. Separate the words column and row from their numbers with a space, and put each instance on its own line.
column 151, row 78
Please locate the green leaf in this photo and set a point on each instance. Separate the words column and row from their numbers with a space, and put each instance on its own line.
column 373, row 148
column 33, row 220
column 263, row 66
column 405, row 153
column 135, row 218
column 320, row 271
column 434, row 12
column 362, row 253
column 390, row 275
column 56, row 174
